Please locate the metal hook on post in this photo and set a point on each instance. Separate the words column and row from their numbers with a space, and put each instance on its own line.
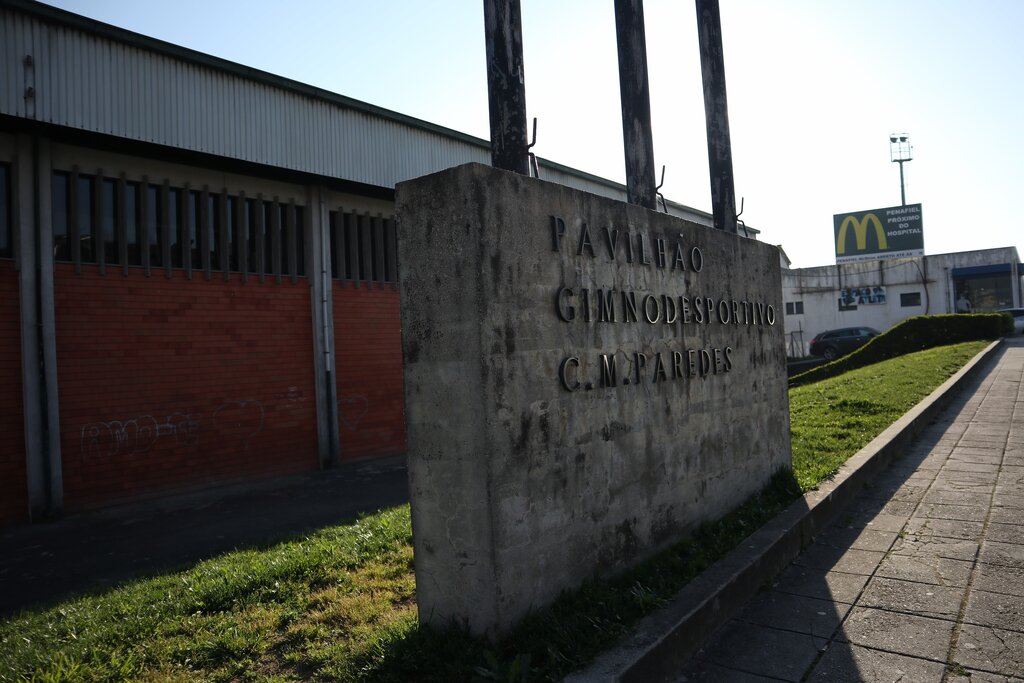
column 738, row 221
column 534, row 166
column 657, row 190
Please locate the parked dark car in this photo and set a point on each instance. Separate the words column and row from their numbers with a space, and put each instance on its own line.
column 834, row 343
column 1018, row 318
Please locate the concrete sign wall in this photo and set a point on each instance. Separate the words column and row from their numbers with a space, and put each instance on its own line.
column 586, row 381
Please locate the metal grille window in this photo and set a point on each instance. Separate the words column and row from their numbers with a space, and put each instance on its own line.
column 6, row 211
column 110, row 222
column 59, row 210
column 133, row 246
column 362, row 247
column 154, row 235
column 82, row 218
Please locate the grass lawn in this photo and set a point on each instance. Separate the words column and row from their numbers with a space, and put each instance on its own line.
column 340, row 604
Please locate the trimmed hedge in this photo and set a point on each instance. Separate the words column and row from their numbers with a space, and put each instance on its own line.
column 914, row 334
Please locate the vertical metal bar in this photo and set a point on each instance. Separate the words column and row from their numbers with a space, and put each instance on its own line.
column 903, row 188
column 143, row 225
column 121, row 216
column 716, row 114
column 261, row 241
column 275, row 239
column 634, row 91
column 99, row 239
column 242, row 235
column 378, row 249
column 351, row 237
column 73, row 227
column 187, row 227
column 293, row 257
column 391, row 250
column 365, row 249
column 204, row 231
column 338, row 244
column 225, row 243
column 506, row 90
column 165, row 227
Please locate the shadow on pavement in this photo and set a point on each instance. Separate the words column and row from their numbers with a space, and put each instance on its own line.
column 50, row 561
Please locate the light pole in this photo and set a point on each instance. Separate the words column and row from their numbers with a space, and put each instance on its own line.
column 900, row 151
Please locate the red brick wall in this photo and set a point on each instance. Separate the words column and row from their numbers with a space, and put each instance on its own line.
column 169, row 384
column 13, row 487
column 368, row 366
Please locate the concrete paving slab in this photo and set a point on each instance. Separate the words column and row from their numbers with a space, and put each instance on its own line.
column 939, row 571
column 876, row 521
column 996, row 578
column 986, row 487
column 851, row 561
column 764, row 651
column 961, row 466
column 938, row 546
column 706, row 672
column 969, row 513
column 968, row 477
column 845, row 663
column 821, row 584
column 943, row 497
column 1006, row 554
column 904, row 634
column 975, row 676
column 795, row 613
column 1005, row 515
column 922, row 599
column 857, row 537
column 995, row 610
column 991, row 649
column 1009, row 496
column 948, row 528
column 1005, row 533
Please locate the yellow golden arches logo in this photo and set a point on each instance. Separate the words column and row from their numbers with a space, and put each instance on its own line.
column 860, row 231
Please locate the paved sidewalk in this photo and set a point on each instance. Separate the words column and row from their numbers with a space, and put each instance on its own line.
column 44, row 562
column 921, row 579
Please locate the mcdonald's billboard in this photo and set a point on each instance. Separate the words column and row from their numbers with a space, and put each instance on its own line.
column 895, row 232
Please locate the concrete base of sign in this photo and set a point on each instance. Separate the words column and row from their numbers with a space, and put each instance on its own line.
column 586, row 381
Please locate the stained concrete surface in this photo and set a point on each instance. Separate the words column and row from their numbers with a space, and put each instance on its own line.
column 922, row 577
column 48, row 561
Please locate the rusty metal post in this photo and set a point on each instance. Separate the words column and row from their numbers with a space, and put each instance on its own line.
column 506, row 91
column 716, row 113
column 637, row 138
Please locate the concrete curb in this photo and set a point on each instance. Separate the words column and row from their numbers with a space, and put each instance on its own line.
column 662, row 643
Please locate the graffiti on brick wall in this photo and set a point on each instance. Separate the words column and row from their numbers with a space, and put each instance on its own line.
column 292, row 395
column 352, row 409
column 239, row 421
column 233, row 423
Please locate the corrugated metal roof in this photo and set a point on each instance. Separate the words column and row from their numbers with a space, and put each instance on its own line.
column 94, row 77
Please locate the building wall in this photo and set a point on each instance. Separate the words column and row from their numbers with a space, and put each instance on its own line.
column 368, row 347
column 930, row 279
column 170, row 383
column 13, row 485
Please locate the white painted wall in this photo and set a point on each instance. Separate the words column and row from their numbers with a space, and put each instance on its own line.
column 818, row 288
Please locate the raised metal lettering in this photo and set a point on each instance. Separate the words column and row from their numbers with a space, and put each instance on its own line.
column 557, row 232
column 563, row 373
column 564, row 310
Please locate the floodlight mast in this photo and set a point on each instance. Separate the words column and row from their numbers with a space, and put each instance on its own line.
column 900, row 151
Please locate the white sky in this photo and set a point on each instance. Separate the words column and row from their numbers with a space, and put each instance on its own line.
column 815, row 88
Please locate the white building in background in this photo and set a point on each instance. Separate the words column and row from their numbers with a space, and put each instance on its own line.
column 881, row 293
